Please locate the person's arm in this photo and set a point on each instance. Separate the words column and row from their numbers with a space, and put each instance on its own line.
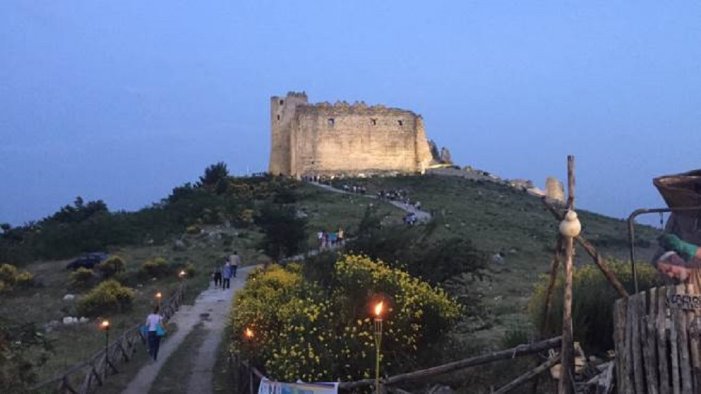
column 685, row 249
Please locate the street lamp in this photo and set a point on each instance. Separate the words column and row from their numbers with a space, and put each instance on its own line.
column 378, row 342
column 105, row 326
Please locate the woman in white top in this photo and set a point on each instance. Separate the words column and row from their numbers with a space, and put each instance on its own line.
column 154, row 341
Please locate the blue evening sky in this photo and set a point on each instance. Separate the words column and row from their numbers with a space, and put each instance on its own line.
column 124, row 100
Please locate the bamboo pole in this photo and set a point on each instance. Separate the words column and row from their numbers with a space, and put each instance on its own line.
column 567, row 351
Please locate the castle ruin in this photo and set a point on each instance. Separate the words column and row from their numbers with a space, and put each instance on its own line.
column 326, row 140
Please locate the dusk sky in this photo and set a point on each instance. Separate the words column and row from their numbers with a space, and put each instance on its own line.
column 124, row 100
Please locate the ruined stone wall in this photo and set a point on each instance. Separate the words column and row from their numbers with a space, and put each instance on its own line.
column 332, row 139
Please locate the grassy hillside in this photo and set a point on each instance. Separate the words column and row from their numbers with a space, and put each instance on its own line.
column 495, row 217
column 501, row 219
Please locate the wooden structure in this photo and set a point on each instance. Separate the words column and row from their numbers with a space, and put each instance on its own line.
column 247, row 377
column 86, row 376
column 657, row 338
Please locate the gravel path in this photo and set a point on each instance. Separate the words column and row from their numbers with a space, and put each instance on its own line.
column 211, row 308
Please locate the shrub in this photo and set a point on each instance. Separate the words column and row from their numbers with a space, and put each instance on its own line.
column 193, row 230
column 188, row 267
column 8, row 274
column 592, row 302
column 82, row 277
column 10, row 277
column 111, row 266
column 155, row 268
column 307, row 331
column 108, row 296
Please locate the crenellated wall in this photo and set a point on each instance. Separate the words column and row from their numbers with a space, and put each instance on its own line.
column 344, row 138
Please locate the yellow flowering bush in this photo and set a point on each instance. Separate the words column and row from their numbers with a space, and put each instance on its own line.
column 11, row 277
column 592, row 301
column 302, row 330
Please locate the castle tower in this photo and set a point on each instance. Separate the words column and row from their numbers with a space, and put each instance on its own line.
column 282, row 112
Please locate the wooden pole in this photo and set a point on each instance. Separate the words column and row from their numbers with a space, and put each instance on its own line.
column 518, row 382
column 551, row 285
column 591, row 251
column 567, row 351
column 514, row 352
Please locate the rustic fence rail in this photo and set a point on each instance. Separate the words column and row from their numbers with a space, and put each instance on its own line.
column 657, row 337
column 84, row 377
column 246, row 377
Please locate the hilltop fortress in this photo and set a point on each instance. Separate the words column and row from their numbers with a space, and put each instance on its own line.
column 326, row 140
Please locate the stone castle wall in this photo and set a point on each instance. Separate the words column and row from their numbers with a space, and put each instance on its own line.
column 325, row 139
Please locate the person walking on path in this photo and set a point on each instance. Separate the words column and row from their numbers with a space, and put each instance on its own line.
column 217, row 276
column 235, row 261
column 153, row 322
column 226, row 275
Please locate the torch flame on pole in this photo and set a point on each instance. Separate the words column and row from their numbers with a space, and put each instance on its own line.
column 378, row 308
column 248, row 333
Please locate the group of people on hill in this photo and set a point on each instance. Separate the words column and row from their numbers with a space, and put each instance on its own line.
column 360, row 189
column 330, row 239
column 222, row 274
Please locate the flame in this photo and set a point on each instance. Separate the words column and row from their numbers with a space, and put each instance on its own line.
column 248, row 333
column 159, row 295
column 182, row 273
column 378, row 308
column 105, row 324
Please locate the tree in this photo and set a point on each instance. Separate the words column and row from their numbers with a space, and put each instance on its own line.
column 215, row 178
column 285, row 233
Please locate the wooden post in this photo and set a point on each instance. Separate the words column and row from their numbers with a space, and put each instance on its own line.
column 567, row 352
column 554, row 265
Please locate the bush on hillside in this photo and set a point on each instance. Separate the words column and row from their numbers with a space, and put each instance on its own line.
column 11, row 277
column 82, row 278
column 111, row 266
column 435, row 260
column 592, row 302
column 23, row 349
column 188, row 267
column 303, row 330
column 155, row 268
column 108, row 296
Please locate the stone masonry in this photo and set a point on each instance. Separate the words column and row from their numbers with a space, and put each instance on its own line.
column 325, row 139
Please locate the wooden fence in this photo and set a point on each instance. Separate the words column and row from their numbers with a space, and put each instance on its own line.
column 246, row 377
column 84, row 377
column 657, row 339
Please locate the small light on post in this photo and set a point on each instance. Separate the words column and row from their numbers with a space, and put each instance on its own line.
column 105, row 326
column 181, row 274
column 378, row 342
column 248, row 333
column 159, row 296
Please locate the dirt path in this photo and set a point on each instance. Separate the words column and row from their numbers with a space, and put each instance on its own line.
column 421, row 216
column 211, row 308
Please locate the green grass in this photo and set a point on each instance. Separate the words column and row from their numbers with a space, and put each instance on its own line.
column 72, row 344
column 223, row 380
column 498, row 218
column 173, row 376
column 328, row 211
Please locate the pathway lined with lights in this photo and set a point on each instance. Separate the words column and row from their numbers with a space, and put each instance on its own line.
column 211, row 308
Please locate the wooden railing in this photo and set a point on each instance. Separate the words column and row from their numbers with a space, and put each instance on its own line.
column 84, row 377
column 246, row 377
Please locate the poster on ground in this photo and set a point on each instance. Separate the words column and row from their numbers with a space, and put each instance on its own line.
column 270, row 387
